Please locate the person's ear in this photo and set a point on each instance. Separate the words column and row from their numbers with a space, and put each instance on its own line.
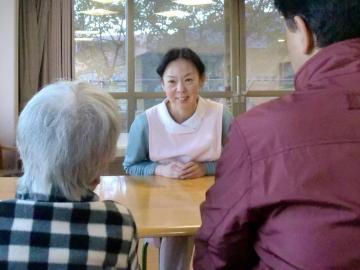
column 202, row 80
column 307, row 42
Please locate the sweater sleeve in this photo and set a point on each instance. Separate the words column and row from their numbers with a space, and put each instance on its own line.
column 137, row 161
column 226, row 123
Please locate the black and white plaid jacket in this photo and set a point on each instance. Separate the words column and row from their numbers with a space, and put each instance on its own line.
column 49, row 234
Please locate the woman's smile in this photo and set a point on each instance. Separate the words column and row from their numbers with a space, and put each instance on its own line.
column 182, row 98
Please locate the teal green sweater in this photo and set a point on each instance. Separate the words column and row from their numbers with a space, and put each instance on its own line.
column 137, row 161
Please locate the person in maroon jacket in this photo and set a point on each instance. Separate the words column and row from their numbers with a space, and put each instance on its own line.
column 287, row 189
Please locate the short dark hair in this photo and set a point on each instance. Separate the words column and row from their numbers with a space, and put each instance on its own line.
column 331, row 21
column 181, row 53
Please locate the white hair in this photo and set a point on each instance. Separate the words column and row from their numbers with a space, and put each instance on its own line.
column 66, row 135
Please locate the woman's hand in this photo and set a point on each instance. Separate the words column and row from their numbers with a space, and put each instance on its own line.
column 172, row 170
column 182, row 171
column 193, row 170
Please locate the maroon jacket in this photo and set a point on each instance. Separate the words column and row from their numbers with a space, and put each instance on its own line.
column 287, row 189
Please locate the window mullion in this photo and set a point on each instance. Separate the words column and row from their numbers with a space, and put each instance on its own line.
column 242, row 56
column 268, row 93
column 130, row 61
column 235, row 53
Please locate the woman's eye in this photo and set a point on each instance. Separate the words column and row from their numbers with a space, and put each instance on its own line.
column 171, row 82
column 189, row 80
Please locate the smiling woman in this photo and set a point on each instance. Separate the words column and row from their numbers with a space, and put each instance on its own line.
column 181, row 137
column 181, row 80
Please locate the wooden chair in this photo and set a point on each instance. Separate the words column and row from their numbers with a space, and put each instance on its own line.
column 15, row 170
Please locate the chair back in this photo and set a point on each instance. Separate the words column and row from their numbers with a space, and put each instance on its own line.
column 16, row 168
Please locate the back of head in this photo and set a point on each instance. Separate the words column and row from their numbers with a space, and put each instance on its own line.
column 181, row 53
column 330, row 21
column 66, row 135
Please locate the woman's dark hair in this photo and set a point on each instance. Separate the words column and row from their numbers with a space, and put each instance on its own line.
column 330, row 20
column 181, row 53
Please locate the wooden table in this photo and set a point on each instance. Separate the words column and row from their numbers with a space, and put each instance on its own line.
column 7, row 187
column 161, row 206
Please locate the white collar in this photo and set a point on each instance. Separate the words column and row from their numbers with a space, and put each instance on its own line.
column 188, row 126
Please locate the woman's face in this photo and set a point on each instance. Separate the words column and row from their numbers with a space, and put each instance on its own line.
column 181, row 82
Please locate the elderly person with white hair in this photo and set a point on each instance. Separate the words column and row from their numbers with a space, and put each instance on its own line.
column 66, row 136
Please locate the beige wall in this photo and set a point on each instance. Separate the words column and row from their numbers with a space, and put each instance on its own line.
column 8, row 70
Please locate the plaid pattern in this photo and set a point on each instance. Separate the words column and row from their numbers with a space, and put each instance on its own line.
column 66, row 235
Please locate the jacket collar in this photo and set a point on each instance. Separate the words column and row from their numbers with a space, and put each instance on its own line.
column 335, row 60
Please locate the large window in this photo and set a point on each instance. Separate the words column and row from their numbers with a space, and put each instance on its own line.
column 268, row 69
column 119, row 43
column 100, row 43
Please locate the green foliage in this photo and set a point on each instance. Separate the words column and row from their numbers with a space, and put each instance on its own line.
column 263, row 21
